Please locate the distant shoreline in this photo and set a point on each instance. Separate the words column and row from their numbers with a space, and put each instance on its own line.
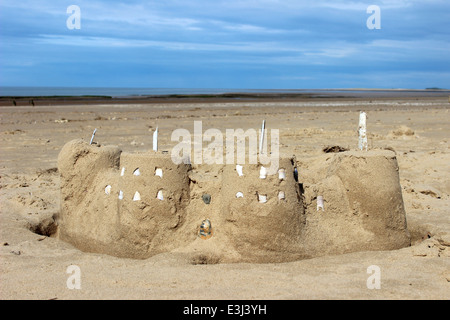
column 250, row 95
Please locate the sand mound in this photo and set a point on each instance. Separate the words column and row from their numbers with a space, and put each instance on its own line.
column 138, row 205
column 362, row 205
column 402, row 131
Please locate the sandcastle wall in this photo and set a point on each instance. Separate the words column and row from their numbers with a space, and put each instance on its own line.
column 138, row 205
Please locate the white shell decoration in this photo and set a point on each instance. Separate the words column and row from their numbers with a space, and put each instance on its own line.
column 262, row 198
column 137, row 196
column 239, row 170
column 282, row 174
column 263, row 173
column 320, row 203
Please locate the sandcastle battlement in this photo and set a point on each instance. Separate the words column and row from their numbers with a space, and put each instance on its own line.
column 141, row 204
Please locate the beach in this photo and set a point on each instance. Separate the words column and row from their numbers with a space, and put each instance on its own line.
column 34, row 262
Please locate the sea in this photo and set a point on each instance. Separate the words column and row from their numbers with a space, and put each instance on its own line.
column 121, row 92
column 130, row 92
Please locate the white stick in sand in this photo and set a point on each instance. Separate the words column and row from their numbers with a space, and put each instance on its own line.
column 93, row 134
column 261, row 140
column 362, row 130
column 155, row 140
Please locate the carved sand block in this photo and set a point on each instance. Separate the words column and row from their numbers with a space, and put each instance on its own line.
column 155, row 195
column 89, row 216
column 264, row 217
column 127, row 205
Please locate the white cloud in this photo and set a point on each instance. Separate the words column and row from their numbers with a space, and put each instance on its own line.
column 420, row 47
column 88, row 41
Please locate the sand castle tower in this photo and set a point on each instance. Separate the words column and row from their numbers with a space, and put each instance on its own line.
column 88, row 218
column 122, row 204
column 358, row 205
column 153, row 193
column 264, row 216
column 362, row 205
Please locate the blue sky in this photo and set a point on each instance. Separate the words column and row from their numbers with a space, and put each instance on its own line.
column 255, row 44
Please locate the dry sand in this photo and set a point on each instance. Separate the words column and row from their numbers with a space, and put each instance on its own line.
column 33, row 265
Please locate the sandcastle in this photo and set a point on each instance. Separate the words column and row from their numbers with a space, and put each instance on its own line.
column 142, row 204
